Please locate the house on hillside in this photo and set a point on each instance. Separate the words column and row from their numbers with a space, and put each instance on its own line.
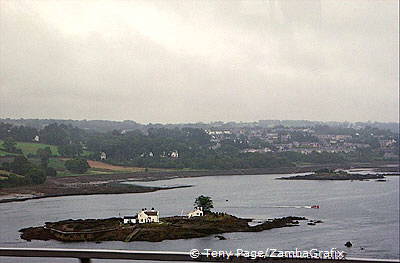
column 174, row 154
column 36, row 138
column 144, row 216
column 198, row 211
column 103, row 156
column 148, row 216
column 130, row 219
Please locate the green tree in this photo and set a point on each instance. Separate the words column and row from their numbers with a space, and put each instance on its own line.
column 51, row 172
column 36, row 176
column 20, row 165
column 77, row 165
column 10, row 146
column 70, row 150
column 205, row 202
column 44, row 155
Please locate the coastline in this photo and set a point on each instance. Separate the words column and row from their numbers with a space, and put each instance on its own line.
column 112, row 183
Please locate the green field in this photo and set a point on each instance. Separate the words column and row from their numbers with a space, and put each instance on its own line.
column 31, row 148
column 3, row 153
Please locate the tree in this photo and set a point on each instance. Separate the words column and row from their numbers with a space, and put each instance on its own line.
column 10, row 146
column 70, row 150
column 20, row 165
column 44, row 155
column 36, row 176
column 51, row 172
column 205, row 202
column 77, row 165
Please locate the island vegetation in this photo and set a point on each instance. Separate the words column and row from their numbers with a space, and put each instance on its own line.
column 327, row 174
column 167, row 228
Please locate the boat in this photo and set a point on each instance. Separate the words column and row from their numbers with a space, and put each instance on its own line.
column 315, row 206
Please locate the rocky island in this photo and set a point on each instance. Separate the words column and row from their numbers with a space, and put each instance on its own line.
column 169, row 228
column 326, row 174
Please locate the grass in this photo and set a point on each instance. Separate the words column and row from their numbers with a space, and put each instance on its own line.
column 31, row 148
column 6, row 174
column 89, row 172
column 3, row 153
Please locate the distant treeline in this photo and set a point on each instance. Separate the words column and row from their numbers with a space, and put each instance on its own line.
column 171, row 148
column 107, row 126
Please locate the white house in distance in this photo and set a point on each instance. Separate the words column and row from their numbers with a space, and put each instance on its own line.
column 174, row 154
column 144, row 216
column 130, row 219
column 103, row 156
column 198, row 211
column 148, row 216
column 36, row 138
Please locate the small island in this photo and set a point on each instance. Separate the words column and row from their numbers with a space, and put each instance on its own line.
column 326, row 174
column 169, row 228
column 148, row 226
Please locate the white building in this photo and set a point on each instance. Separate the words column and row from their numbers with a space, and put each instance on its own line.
column 103, row 156
column 174, row 154
column 198, row 211
column 148, row 216
column 130, row 219
column 36, row 138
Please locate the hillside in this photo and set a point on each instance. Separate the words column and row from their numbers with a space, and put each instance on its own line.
column 30, row 148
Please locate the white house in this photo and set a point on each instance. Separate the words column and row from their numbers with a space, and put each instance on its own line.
column 148, row 216
column 174, row 154
column 103, row 156
column 36, row 138
column 198, row 211
column 130, row 219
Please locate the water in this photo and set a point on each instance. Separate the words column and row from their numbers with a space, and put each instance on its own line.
column 363, row 212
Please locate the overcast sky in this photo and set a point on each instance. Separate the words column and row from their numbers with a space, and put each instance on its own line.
column 188, row 61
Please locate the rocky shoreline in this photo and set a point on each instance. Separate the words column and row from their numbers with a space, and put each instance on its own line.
column 30, row 193
column 169, row 228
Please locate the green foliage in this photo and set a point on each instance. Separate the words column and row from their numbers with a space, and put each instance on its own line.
column 20, row 165
column 36, row 175
column 30, row 148
column 10, row 145
column 70, row 150
column 77, row 165
column 44, row 155
column 22, row 172
column 205, row 202
column 51, row 172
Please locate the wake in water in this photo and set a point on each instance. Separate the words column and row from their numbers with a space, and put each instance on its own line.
column 278, row 206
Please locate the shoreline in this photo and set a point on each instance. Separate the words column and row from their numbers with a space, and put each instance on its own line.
column 113, row 183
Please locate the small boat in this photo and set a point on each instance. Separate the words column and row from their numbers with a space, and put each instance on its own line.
column 315, row 206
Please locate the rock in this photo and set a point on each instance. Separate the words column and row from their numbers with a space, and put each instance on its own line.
column 220, row 237
column 348, row 244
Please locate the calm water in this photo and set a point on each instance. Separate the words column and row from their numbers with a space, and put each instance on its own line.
column 366, row 213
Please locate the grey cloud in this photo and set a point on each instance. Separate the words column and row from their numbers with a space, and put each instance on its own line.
column 199, row 60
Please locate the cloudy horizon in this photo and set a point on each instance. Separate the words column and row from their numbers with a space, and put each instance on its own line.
column 200, row 61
